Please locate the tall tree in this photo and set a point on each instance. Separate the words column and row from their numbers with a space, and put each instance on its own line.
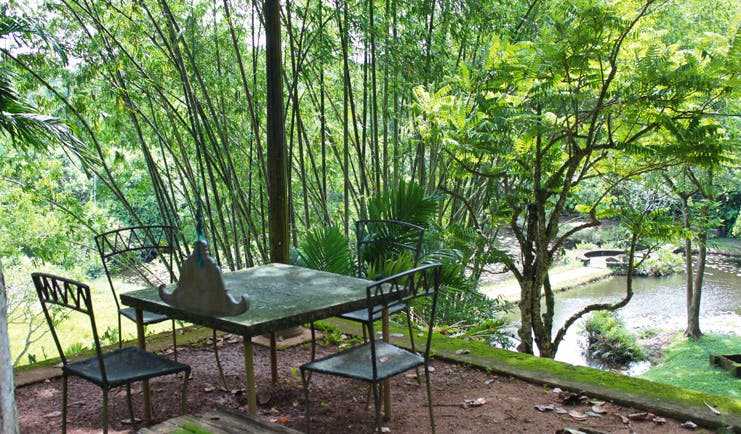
column 552, row 105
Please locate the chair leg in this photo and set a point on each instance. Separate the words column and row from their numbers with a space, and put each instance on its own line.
column 429, row 397
column 184, row 399
column 313, row 341
column 218, row 360
column 377, row 402
column 307, row 405
column 131, row 406
column 105, row 410
column 411, row 337
column 174, row 341
column 120, row 332
column 64, row 403
column 370, row 386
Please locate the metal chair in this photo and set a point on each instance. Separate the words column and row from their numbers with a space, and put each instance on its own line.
column 380, row 243
column 376, row 361
column 129, row 248
column 119, row 367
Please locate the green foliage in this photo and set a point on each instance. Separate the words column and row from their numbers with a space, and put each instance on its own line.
column 75, row 348
column 110, row 336
column 407, row 202
column 686, row 364
column 471, row 315
column 325, row 248
column 737, row 226
column 609, row 342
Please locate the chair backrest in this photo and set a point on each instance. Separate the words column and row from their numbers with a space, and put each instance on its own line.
column 68, row 294
column 422, row 281
column 129, row 248
column 385, row 247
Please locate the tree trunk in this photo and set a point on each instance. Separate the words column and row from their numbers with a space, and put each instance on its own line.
column 8, row 412
column 695, row 286
column 693, row 308
column 694, row 276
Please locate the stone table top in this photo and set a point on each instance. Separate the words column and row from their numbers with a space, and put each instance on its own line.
column 282, row 296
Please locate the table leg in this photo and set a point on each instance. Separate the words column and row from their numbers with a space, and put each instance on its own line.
column 249, row 368
column 145, row 384
column 386, row 384
column 273, row 358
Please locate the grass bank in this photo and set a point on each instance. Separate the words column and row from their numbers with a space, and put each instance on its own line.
column 726, row 246
column 562, row 277
column 686, row 363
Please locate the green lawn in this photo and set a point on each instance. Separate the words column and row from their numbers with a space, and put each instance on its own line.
column 75, row 331
column 686, row 364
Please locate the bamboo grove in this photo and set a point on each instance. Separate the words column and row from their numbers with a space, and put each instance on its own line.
column 179, row 89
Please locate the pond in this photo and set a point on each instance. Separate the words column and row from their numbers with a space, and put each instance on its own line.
column 658, row 302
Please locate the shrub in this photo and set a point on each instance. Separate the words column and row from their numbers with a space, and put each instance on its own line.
column 609, row 342
column 661, row 263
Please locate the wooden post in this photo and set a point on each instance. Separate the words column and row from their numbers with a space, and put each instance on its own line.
column 8, row 411
column 276, row 147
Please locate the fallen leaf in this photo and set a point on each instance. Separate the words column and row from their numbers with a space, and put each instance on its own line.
column 570, row 431
column 128, row 421
column 489, row 381
column 264, row 397
column 53, row 414
column 624, row 419
column 283, row 419
column 689, row 425
column 644, row 415
column 209, row 389
column 462, row 351
column 571, row 398
column 577, row 415
column 544, row 407
column 383, row 359
column 473, row 402
column 592, row 414
column 599, row 409
column 713, row 409
column 385, row 429
column 560, row 410
column 659, row 420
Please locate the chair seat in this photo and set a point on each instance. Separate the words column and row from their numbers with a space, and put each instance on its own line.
column 361, row 315
column 149, row 317
column 124, row 365
column 355, row 362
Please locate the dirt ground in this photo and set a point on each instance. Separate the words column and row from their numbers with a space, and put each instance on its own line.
column 467, row 400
